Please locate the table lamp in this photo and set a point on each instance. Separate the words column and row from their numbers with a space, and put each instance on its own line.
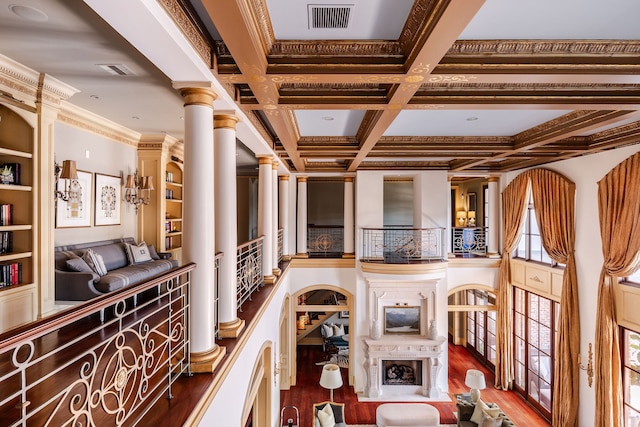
column 475, row 381
column 462, row 217
column 472, row 218
column 331, row 377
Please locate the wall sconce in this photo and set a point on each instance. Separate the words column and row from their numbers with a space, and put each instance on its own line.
column 69, row 174
column 472, row 218
column 589, row 367
column 138, row 190
column 462, row 217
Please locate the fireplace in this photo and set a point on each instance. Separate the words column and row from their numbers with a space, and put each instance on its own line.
column 402, row 372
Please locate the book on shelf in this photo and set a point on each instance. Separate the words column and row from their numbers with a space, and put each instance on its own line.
column 10, row 274
column 10, row 173
column 6, row 214
column 6, row 242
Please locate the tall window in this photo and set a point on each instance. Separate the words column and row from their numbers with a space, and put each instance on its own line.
column 485, row 211
column 535, row 329
column 631, row 377
column 481, row 327
column 530, row 245
column 634, row 278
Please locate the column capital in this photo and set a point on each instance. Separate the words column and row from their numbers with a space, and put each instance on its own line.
column 265, row 159
column 348, row 179
column 274, row 165
column 198, row 96
column 284, row 177
column 302, row 178
column 494, row 179
column 225, row 121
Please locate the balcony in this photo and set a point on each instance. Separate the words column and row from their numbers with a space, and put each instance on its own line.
column 400, row 245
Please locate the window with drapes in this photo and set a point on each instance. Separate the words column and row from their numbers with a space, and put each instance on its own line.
column 633, row 279
column 481, row 327
column 631, row 377
column 535, row 320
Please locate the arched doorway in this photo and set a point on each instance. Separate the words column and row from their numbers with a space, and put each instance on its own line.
column 257, row 405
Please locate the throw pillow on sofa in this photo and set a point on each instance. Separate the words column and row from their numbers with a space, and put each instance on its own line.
column 326, row 417
column 95, row 261
column 80, row 265
column 490, row 419
column 138, row 254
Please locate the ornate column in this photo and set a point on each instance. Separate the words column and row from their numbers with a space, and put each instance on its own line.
column 302, row 217
column 349, row 243
column 284, row 215
column 226, row 227
column 494, row 218
column 276, row 269
column 265, row 215
column 198, row 225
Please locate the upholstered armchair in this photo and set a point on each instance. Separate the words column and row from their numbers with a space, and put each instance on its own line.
column 328, row 414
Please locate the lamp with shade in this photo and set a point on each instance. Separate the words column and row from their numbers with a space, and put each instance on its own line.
column 475, row 381
column 331, row 377
column 472, row 218
column 462, row 217
column 69, row 175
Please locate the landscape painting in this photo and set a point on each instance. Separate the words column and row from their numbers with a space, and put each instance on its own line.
column 402, row 320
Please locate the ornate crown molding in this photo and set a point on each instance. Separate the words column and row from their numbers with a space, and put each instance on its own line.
column 544, row 47
column 191, row 31
column 351, row 48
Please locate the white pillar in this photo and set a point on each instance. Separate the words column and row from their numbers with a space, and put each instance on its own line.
column 494, row 217
column 275, row 205
column 284, row 215
column 226, row 223
column 265, row 215
column 302, row 217
column 198, row 225
column 349, row 243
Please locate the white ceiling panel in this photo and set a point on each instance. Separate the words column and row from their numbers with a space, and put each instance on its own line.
column 368, row 19
column 555, row 19
column 329, row 122
column 468, row 122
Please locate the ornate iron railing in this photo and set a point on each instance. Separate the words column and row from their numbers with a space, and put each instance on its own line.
column 325, row 240
column 469, row 240
column 280, row 245
column 216, row 302
column 399, row 245
column 249, row 271
column 71, row 369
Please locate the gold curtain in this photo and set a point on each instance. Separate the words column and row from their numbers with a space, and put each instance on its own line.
column 619, row 212
column 554, row 201
column 514, row 203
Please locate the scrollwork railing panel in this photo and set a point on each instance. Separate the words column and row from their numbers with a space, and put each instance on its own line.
column 398, row 245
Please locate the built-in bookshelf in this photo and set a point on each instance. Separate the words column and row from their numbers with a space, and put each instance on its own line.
column 173, row 209
column 18, row 293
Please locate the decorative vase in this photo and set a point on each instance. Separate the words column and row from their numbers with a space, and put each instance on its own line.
column 433, row 331
column 376, row 332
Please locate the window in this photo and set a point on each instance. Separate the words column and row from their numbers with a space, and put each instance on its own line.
column 530, row 245
column 634, row 278
column 485, row 211
column 481, row 327
column 535, row 329
column 631, row 377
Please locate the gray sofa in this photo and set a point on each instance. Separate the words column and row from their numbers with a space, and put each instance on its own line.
column 465, row 411
column 83, row 285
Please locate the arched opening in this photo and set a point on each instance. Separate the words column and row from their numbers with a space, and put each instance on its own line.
column 257, row 406
column 322, row 319
column 283, row 362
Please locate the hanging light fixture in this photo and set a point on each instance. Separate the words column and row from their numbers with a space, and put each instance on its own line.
column 138, row 190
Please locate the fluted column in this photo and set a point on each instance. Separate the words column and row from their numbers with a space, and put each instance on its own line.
column 226, row 224
column 349, row 243
column 198, row 225
column 284, row 215
column 276, row 268
column 494, row 217
column 302, row 217
column 265, row 215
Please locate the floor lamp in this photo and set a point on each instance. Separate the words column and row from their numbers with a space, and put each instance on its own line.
column 331, row 377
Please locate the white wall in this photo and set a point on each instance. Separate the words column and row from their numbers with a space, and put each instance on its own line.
column 585, row 172
column 105, row 157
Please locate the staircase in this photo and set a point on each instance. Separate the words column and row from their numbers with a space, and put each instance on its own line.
column 317, row 319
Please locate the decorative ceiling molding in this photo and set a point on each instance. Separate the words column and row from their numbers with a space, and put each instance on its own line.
column 190, row 27
column 542, row 48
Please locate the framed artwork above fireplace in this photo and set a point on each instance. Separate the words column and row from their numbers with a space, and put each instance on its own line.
column 402, row 320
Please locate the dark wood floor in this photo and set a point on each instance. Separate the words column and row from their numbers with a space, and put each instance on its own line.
column 308, row 391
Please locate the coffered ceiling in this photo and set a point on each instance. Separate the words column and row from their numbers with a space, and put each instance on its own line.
column 467, row 86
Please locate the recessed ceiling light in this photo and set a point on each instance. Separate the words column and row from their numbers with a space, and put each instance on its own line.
column 135, row 117
column 472, row 119
column 29, row 13
column 94, row 96
column 327, row 118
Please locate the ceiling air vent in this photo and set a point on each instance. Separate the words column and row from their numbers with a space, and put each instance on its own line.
column 116, row 69
column 329, row 16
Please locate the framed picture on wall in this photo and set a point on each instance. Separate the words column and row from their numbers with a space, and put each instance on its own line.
column 108, row 199
column 403, row 320
column 76, row 212
column 472, row 203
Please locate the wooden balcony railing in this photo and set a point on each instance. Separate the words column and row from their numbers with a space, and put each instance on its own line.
column 71, row 369
column 400, row 245
column 249, row 271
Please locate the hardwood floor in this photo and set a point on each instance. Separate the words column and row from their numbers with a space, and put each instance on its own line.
column 308, row 391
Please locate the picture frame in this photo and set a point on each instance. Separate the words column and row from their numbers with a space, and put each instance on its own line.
column 471, row 202
column 402, row 320
column 344, row 314
column 108, row 199
column 77, row 211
